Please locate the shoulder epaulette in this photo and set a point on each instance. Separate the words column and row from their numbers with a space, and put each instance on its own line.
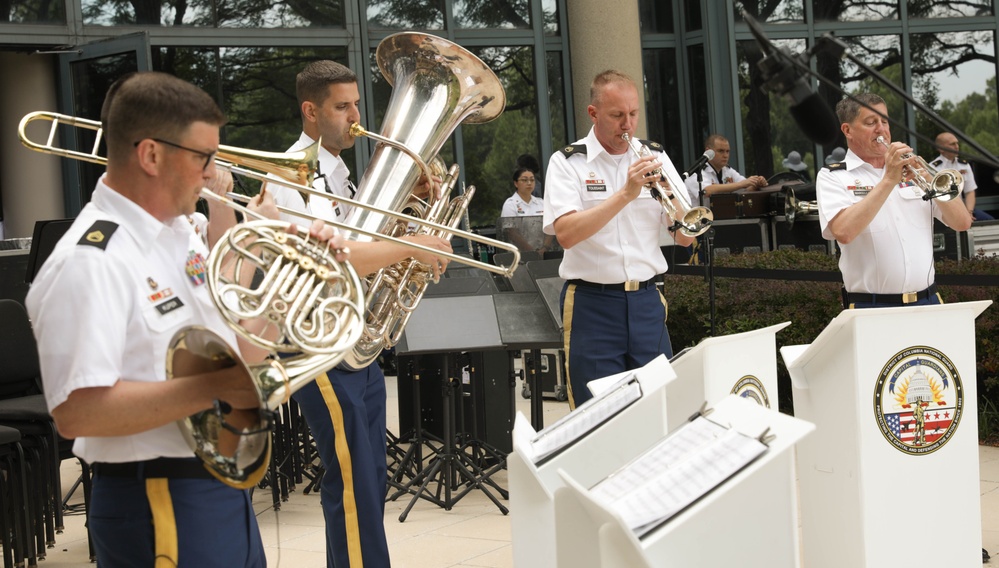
column 960, row 161
column 99, row 234
column 937, row 162
column 836, row 166
column 653, row 145
column 573, row 149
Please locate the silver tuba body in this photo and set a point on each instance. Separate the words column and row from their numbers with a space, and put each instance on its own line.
column 437, row 85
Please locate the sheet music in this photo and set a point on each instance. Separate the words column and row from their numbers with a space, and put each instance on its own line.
column 585, row 418
column 676, row 472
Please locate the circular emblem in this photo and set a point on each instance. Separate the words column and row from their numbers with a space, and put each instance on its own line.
column 750, row 387
column 918, row 400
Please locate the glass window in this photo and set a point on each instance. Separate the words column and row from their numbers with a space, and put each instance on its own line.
column 698, row 88
column 882, row 53
column 492, row 14
column 655, row 17
column 210, row 13
column 949, row 9
column 954, row 74
column 769, row 132
column 556, row 104
column 781, row 12
column 406, row 14
column 662, row 100
column 692, row 13
column 33, row 12
column 854, row 11
column 549, row 9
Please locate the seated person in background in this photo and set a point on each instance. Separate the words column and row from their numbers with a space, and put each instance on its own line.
column 948, row 160
column 524, row 204
column 794, row 164
column 717, row 176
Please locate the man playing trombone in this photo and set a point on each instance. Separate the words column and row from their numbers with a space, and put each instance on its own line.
column 599, row 207
column 345, row 409
column 128, row 274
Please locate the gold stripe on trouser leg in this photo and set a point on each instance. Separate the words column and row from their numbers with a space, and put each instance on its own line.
column 570, row 296
column 346, row 471
column 164, row 522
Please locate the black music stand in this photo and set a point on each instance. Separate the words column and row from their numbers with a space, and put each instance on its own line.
column 43, row 239
column 431, row 329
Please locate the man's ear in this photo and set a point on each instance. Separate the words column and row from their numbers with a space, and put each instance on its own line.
column 150, row 156
column 309, row 111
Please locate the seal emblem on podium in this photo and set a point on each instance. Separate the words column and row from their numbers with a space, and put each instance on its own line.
column 918, row 400
column 752, row 388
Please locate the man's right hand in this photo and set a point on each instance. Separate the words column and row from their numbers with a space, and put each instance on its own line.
column 437, row 263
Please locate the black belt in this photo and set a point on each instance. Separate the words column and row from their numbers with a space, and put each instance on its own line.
column 897, row 299
column 629, row 286
column 171, row 468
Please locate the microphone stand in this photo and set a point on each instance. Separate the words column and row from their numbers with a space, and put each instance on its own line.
column 709, row 237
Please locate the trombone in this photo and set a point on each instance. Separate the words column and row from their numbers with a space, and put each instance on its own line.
column 285, row 167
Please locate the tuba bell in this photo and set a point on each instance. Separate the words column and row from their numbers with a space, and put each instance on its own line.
column 437, row 85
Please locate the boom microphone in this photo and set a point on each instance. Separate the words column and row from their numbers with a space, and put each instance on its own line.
column 706, row 157
column 783, row 75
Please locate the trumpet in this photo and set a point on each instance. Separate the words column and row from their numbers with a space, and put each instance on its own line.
column 690, row 221
column 943, row 185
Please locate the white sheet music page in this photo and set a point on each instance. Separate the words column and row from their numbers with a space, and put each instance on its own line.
column 674, row 473
column 585, row 418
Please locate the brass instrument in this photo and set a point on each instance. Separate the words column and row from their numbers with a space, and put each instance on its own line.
column 306, row 308
column 943, row 185
column 437, row 85
column 689, row 221
column 794, row 207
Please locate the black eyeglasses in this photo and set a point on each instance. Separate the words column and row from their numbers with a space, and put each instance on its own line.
column 208, row 156
column 525, row 180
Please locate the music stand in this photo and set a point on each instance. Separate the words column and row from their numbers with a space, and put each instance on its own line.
column 428, row 331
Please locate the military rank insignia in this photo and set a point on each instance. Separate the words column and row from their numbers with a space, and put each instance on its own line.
column 752, row 388
column 918, row 400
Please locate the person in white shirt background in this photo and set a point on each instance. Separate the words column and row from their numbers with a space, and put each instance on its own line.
column 947, row 160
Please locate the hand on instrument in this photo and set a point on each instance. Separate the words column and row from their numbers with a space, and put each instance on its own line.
column 263, row 204
column 334, row 240
column 897, row 157
column 234, row 386
column 222, row 183
column 639, row 175
column 436, row 263
column 423, row 187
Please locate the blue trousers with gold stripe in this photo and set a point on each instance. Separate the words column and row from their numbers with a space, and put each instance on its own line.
column 346, row 413
column 169, row 523
column 608, row 332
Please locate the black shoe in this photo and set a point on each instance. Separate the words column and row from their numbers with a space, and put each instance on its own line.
column 985, row 556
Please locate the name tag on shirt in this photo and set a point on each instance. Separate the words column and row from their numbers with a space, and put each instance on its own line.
column 596, row 185
column 169, row 306
column 860, row 190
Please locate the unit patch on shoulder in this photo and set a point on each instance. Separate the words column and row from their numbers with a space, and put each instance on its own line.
column 652, row 144
column 836, row 166
column 99, row 234
column 573, row 149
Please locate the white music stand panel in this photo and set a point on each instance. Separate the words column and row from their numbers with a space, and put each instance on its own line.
column 610, row 445
column 740, row 363
column 750, row 520
column 871, row 499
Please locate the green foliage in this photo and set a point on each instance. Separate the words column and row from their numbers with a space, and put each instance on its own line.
column 743, row 304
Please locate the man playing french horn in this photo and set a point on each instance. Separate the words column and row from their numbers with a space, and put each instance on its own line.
column 345, row 409
column 127, row 275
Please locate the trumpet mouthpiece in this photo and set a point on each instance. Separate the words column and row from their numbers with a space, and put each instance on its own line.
column 356, row 130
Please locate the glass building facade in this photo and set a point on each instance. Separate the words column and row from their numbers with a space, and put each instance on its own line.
column 700, row 61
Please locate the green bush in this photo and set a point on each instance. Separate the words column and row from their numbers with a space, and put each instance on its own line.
column 745, row 304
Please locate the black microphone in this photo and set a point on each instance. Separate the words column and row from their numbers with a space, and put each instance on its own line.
column 706, row 157
column 783, row 75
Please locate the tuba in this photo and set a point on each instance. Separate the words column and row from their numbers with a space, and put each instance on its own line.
column 437, row 85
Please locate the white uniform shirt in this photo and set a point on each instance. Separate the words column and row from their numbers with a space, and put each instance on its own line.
column 331, row 178
column 963, row 167
column 710, row 177
column 627, row 247
column 894, row 253
column 514, row 206
column 104, row 315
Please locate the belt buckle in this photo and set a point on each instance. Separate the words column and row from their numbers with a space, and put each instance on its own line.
column 909, row 297
column 631, row 285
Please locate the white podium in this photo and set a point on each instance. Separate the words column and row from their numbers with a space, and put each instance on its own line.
column 591, row 457
column 740, row 363
column 890, row 477
column 750, row 520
